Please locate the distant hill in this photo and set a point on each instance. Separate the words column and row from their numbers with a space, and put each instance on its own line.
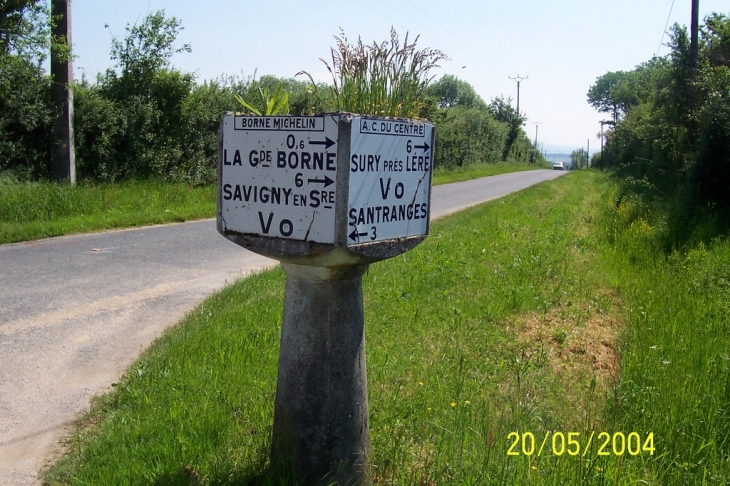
column 558, row 157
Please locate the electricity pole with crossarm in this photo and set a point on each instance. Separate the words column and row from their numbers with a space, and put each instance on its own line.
column 518, row 78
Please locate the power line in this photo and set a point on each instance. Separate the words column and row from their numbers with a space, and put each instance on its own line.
column 452, row 33
column 436, row 21
column 456, row 42
column 664, row 32
column 406, row 16
column 392, row 22
column 471, row 53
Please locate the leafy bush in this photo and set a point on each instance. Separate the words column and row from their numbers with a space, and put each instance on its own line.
column 468, row 136
column 97, row 124
column 25, row 112
column 25, row 118
column 710, row 175
column 147, row 120
column 470, row 131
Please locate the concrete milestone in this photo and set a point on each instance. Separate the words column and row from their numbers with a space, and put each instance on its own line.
column 326, row 195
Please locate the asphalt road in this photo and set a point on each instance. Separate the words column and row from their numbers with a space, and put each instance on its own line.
column 76, row 311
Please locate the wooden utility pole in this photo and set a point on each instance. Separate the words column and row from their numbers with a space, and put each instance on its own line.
column 519, row 79
column 694, row 36
column 536, row 124
column 601, row 122
column 63, row 157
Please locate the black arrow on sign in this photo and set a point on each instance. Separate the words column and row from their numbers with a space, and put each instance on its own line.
column 423, row 147
column 354, row 236
column 326, row 181
column 327, row 142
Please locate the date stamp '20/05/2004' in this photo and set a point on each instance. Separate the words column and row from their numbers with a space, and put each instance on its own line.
column 577, row 444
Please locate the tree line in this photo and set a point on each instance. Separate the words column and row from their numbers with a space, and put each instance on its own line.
column 142, row 118
column 670, row 123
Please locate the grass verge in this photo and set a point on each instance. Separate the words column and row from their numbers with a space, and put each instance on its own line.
column 542, row 338
column 500, row 322
column 520, row 332
column 443, row 176
column 29, row 211
column 675, row 358
column 551, row 314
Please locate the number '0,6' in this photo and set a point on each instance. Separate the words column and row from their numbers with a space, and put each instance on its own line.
column 291, row 142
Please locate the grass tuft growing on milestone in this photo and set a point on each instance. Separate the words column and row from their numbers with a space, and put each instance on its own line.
column 386, row 79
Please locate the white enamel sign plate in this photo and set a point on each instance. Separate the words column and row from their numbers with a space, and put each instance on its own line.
column 390, row 179
column 278, row 176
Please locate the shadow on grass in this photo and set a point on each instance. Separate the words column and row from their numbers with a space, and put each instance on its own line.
column 647, row 193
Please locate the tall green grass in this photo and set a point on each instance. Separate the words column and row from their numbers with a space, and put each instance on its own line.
column 489, row 327
column 43, row 209
column 386, row 79
column 676, row 357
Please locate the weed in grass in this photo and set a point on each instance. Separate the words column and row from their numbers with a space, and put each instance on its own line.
column 560, row 335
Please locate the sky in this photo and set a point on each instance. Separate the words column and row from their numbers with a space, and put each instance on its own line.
column 559, row 46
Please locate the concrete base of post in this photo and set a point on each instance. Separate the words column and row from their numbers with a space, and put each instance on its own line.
column 321, row 411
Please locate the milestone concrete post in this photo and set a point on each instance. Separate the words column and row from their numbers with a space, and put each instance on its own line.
column 326, row 195
column 321, row 409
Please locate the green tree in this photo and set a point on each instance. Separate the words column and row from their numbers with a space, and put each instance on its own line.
column 672, row 140
column 450, row 91
column 149, row 46
column 639, row 86
column 147, row 106
column 501, row 109
column 23, row 28
column 578, row 158
column 25, row 114
column 710, row 172
column 602, row 95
